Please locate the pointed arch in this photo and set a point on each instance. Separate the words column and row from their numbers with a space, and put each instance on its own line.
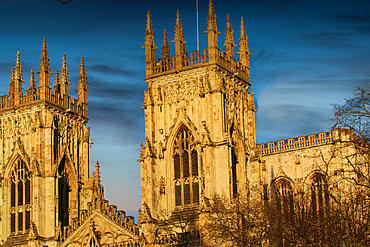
column 318, row 193
column 19, row 184
column 185, row 167
column 67, row 185
column 284, row 192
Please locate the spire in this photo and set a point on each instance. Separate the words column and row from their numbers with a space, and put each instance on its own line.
column 44, row 70
column 56, row 83
column 229, row 38
column 64, row 79
column 82, row 84
column 149, row 46
column 32, row 87
column 212, row 27
column 243, row 46
column 165, row 47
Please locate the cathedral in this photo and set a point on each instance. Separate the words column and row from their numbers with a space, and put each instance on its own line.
column 200, row 141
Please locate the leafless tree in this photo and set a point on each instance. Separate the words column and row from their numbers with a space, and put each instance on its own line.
column 240, row 221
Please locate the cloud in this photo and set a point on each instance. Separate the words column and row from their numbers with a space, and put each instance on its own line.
column 283, row 121
column 105, row 69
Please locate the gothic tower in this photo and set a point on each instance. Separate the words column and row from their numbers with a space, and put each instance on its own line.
column 199, row 127
column 45, row 156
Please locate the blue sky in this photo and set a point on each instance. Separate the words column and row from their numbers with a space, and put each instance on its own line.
column 306, row 56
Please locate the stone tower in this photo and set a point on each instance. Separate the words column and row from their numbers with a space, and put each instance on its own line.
column 45, row 177
column 199, row 126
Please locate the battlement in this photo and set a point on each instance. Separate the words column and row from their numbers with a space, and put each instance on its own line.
column 58, row 95
column 168, row 64
column 297, row 143
column 64, row 101
column 172, row 65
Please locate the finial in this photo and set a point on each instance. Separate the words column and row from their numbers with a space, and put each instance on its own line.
column 165, row 47
column 56, row 83
column 243, row 46
column 229, row 38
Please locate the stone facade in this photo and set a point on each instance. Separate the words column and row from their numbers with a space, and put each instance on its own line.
column 199, row 129
column 200, row 141
column 200, row 138
column 49, row 197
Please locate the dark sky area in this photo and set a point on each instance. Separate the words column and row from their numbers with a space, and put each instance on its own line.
column 306, row 56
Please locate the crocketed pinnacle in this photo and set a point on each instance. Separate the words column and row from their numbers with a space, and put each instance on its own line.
column 165, row 47
column 243, row 45
column 11, row 83
column 212, row 28
column 32, row 86
column 229, row 39
column 82, row 75
column 56, row 83
column 149, row 33
column 18, row 76
column 212, row 19
column 180, row 48
column 82, row 83
column 64, row 79
column 149, row 45
column 44, row 70
column 97, row 174
column 44, row 61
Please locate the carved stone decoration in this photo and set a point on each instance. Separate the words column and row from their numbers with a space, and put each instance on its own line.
column 206, row 136
column 144, row 215
column 162, row 186
column 58, row 232
column 32, row 236
column 161, row 150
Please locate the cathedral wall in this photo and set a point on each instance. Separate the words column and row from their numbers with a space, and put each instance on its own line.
column 209, row 102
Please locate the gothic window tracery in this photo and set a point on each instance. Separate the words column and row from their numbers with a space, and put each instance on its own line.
column 284, row 197
column 185, row 163
column 20, row 197
column 319, row 196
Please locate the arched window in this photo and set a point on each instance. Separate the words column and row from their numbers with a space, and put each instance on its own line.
column 63, row 194
column 284, row 197
column 20, row 198
column 319, row 196
column 185, row 162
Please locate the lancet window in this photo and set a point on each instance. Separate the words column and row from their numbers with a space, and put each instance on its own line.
column 20, row 198
column 63, row 193
column 319, row 196
column 284, row 197
column 185, row 163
